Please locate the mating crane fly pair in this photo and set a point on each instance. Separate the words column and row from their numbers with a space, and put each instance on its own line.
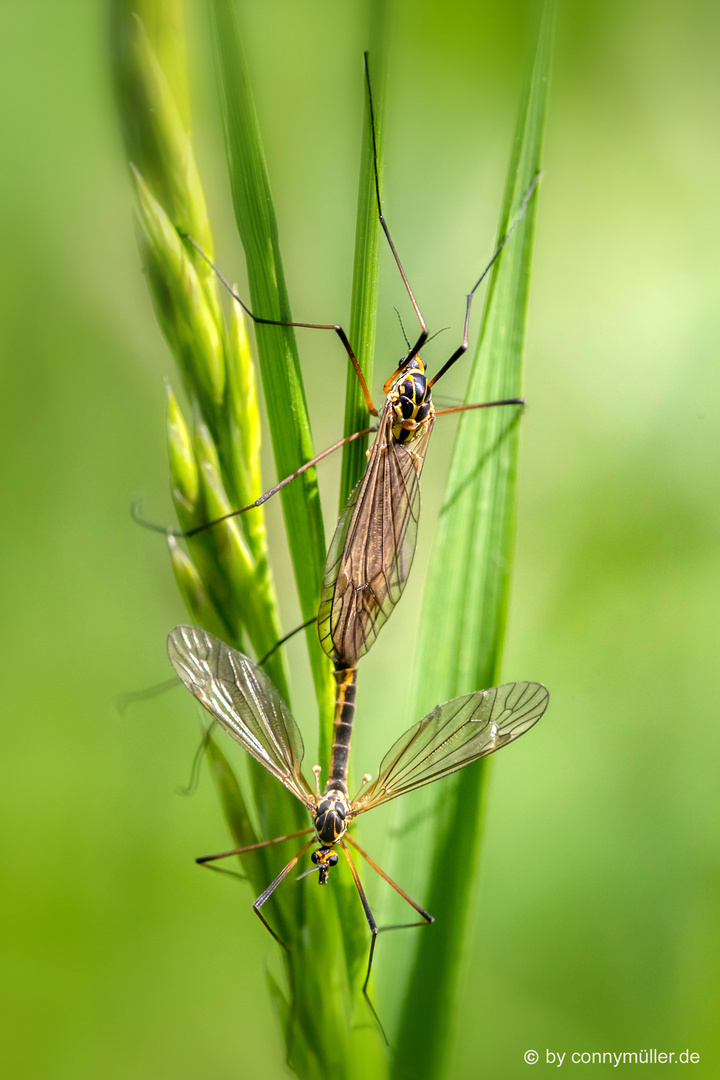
column 367, row 567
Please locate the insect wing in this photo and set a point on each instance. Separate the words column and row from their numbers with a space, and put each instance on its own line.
column 453, row 735
column 373, row 547
column 239, row 695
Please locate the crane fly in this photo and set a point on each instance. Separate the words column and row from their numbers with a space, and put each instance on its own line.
column 371, row 554
column 242, row 699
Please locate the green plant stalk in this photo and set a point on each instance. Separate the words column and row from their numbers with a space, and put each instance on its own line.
column 220, row 569
column 184, row 293
column 308, row 1053
column 277, row 350
column 316, row 1047
column 334, row 946
column 363, row 311
column 465, row 602
column 224, row 580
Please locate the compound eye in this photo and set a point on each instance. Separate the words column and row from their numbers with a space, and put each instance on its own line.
column 332, row 861
column 315, row 857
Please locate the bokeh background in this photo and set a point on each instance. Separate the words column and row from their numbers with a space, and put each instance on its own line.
column 596, row 926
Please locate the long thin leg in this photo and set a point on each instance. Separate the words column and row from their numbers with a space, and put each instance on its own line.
column 423, row 328
column 371, row 862
column 291, row 634
column 291, row 967
column 262, row 844
column 481, row 405
column 373, row 930
column 189, row 789
column 265, row 896
column 131, row 696
column 271, row 888
column 230, row 873
column 304, row 325
column 184, row 535
column 469, row 298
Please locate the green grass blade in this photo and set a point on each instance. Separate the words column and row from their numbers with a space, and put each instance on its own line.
column 465, row 601
column 326, row 954
column 277, row 350
column 363, row 320
column 224, row 575
column 363, row 308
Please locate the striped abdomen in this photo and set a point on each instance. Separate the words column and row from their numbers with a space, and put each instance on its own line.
column 342, row 729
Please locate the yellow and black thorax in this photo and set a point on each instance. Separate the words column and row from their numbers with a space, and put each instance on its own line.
column 411, row 399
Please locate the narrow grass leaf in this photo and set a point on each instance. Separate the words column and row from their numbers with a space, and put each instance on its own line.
column 363, row 306
column 363, row 322
column 465, row 601
column 277, row 350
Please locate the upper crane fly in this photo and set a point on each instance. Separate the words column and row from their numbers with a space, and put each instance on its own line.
column 372, row 550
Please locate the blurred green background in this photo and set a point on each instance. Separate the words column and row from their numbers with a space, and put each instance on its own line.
column 597, row 916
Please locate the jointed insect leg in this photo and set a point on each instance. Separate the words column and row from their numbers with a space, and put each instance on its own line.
column 265, row 896
column 221, row 870
column 373, row 930
column 423, row 328
column 279, row 322
column 371, row 862
column 181, row 534
column 284, row 639
column 480, row 405
column 189, row 789
column 131, row 696
column 469, row 299
column 272, row 887
column 262, row 844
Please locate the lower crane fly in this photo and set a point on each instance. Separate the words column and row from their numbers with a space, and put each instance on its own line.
column 242, row 699
column 372, row 550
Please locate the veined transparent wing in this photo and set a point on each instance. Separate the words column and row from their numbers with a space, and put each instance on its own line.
column 372, row 550
column 453, row 735
column 244, row 701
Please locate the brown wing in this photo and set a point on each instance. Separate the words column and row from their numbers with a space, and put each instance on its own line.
column 453, row 735
column 239, row 695
column 372, row 550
